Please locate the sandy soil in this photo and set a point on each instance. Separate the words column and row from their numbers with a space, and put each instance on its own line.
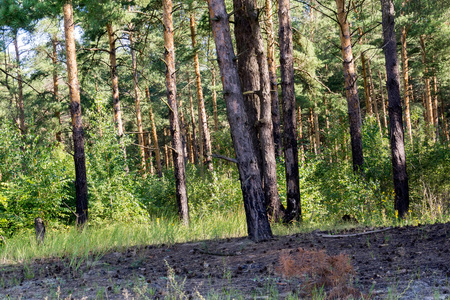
column 398, row 263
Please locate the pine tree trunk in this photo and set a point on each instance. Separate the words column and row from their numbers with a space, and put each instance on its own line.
column 395, row 110
column 373, row 96
column 383, row 105
column 115, row 89
column 258, row 226
column 312, row 143
column 354, row 112
column 316, row 129
column 293, row 210
column 255, row 79
column 194, row 133
column 154, row 136
column 406, row 83
column 214, row 98
column 273, row 80
column 435, row 104
column 205, row 134
column 300, row 133
column 428, row 101
column 81, row 190
column 20, row 88
column 137, row 106
column 178, row 157
column 54, row 41
column 367, row 96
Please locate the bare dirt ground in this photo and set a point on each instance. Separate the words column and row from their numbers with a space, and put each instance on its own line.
column 399, row 263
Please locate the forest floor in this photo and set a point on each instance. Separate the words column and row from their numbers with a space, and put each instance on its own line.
column 397, row 263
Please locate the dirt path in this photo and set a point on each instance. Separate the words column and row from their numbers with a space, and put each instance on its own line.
column 409, row 262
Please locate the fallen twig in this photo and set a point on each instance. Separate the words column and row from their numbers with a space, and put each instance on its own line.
column 352, row 234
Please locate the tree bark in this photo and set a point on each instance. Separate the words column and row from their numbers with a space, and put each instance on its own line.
column 428, row 101
column 81, row 190
column 405, row 68
column 214, row 98
column 178, row 157
column 367, row 96
column 258, row 226
column 137, row 107
column 20, row 88
column 205, row 134
column 56, row 86
column 154, row 136
column 300, row 133
column 255, row 79
column 115, row 90
column 435, row 104
column 273, row 80
column 316, row 130
column 354, row 111
column 395, row 109
column 383, row 102
column 293, row 210
column 194, row 133
column 373, row 97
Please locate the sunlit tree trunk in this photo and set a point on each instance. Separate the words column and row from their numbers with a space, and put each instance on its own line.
column 405, row 73
column 258, row 226
column 293, row 209
column 154, row 136
column 194, row 133
column 81, row 190
column 273, row 80
column 137, row 106
column 178, row 157
column 316, row 129
column 395, row 110
column 20, row 87
column 435, row 104
column 205, row 134
column 354, row 112
column 300, row 133
column 54, row 41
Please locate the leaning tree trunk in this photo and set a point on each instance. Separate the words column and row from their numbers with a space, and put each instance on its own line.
column 354, row 111
column 205, row 134
column 255, row 79
column 178, row 156
column 20, row 88
column 395, row 110
column 115, row 89
column 258, row 226
column 273, row 80
column 81, row 190
column 293, row 209
column 406, row 83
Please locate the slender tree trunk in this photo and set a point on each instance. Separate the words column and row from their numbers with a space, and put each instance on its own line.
column 154, row 136
column 258, row 226
column 316, row 129
column 214, row 98
column 383, row 105
column 178, row 157
column 373, row 96
column 367, row 96
column 81, row 190
column 406, row 83
column 293, row 210
column 194, row 133
column 56, row 87
column 255, row 79
column 435, row 104
column 276, row 123
column 300, row 133
column 428, row 101
column 115, row 90
column 137, row 106
column 354, row 112
column 395, row 110
column 205, row 134
column 312, row 143
column 20, row 87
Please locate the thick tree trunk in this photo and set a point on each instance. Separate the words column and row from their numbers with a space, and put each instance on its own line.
column 293, row 210
column 395, row 110
column 258, row 226
column 115, row 89
column 20, row 88
column 205, row 134
column 255, row 79
column 406, row 83
column 81, row 190
column 137, row 106
column 354, row 111
column 56, row 87
column 154, row 136
column 276, row 123
column 178, row 157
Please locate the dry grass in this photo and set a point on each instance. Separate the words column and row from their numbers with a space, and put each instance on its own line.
column 318, row 271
